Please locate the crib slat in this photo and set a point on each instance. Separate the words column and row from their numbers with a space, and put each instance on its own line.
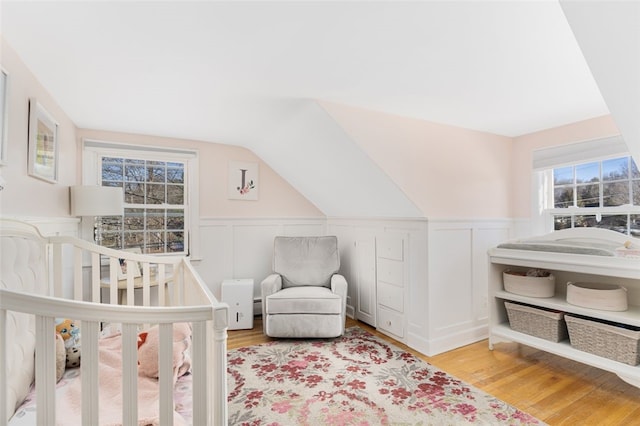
column 130, row 282
column 95, row 277
column 199, row 371
column 77, row 274
column 114, row 266
column 129, row 374
column 160, row 276
column 178, row 286
column 146, row 284
column 89, row 373
column 45, row 370
column 57, row 270
column 165, row 373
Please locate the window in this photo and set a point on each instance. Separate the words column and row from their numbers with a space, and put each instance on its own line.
column 154, row 214
column 603, row 194
column 156, row 192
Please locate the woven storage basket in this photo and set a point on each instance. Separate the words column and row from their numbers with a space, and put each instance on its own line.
column 607, row 340
column 518, row 283
column 538, row 322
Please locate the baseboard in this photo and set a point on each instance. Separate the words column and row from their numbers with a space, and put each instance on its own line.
column 454, row 341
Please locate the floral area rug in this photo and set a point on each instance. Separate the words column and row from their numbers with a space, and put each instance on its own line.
column 357, row 379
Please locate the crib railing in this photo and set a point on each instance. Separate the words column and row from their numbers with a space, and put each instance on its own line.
column 182, row 296
column 209, row 389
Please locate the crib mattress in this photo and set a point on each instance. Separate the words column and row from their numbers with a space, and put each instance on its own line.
column 25, row 415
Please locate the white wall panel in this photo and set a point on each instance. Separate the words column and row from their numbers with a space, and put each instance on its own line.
column 450, row 279
column 458, row 280
column 253, row 252
column 483, row 240
column 216, row 263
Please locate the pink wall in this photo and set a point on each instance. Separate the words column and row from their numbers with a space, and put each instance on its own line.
column 276, row 197
column 448, row 172
column 25, row 195
column 523, row 147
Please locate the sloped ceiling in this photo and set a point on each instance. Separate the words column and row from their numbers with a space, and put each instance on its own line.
column 237, row 72
column 609, row 35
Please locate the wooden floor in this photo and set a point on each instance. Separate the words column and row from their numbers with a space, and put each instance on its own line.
column 556, row 390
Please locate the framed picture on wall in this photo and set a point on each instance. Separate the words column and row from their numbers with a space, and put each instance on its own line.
column 4, row 114
column 43, row 143
column 242, row 181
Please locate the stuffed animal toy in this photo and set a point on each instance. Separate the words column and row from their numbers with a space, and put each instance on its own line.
column 149, row 342
column 70, row 333
column 61, row 357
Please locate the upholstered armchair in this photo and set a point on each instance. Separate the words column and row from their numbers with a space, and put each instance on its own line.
column 305, row 296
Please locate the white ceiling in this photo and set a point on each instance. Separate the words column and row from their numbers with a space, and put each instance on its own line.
column 216, row 71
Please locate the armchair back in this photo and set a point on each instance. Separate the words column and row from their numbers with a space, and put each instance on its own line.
column 306, row 261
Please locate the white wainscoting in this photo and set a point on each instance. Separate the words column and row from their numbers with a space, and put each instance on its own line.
column 357, row 237
column 446, row 299
column 233, row 248
column 457, row 276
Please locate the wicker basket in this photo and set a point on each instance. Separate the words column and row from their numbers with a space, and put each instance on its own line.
column 605, row 339
column 538, row 322
column 519, row 283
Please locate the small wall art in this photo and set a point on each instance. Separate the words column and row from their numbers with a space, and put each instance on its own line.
column 243, row 181
column 43, row 143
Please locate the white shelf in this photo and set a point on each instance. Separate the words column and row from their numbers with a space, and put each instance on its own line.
column 564, row 348
column 631, row 316
column 573, row 267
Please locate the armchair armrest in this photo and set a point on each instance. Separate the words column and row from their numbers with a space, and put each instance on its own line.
column 268, row 286
column 339, row 287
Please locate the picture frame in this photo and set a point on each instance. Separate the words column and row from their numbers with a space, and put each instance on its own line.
column 122, row 271
column 4, row 115
column 43, row 143
column 243, row 181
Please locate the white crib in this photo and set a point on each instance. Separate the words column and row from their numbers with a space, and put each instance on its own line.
column 33, row 269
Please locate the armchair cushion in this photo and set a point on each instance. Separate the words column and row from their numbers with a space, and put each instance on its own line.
column 304, row 300
column 306, row 261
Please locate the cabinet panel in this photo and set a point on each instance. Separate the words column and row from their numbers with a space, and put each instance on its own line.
column 366, row 281
column 390, row 296
column 390, row 271
column 390, row 248
column 390, row 321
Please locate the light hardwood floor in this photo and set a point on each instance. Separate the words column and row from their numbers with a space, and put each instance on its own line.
column 556, row 390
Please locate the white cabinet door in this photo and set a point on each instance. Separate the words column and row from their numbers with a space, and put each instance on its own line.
column 366, row 280
column 391, row 289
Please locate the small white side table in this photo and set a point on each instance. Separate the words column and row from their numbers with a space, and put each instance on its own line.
column 238, row 294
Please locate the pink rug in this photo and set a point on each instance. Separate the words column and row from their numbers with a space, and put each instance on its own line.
column 357, row 379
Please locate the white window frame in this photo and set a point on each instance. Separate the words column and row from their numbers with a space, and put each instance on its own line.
column 547, row 159
column 93, row 150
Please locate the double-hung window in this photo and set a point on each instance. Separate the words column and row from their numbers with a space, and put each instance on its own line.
column 600, row 190
column 156, row 187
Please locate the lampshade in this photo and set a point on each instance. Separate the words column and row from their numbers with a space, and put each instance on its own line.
column 96, row 201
